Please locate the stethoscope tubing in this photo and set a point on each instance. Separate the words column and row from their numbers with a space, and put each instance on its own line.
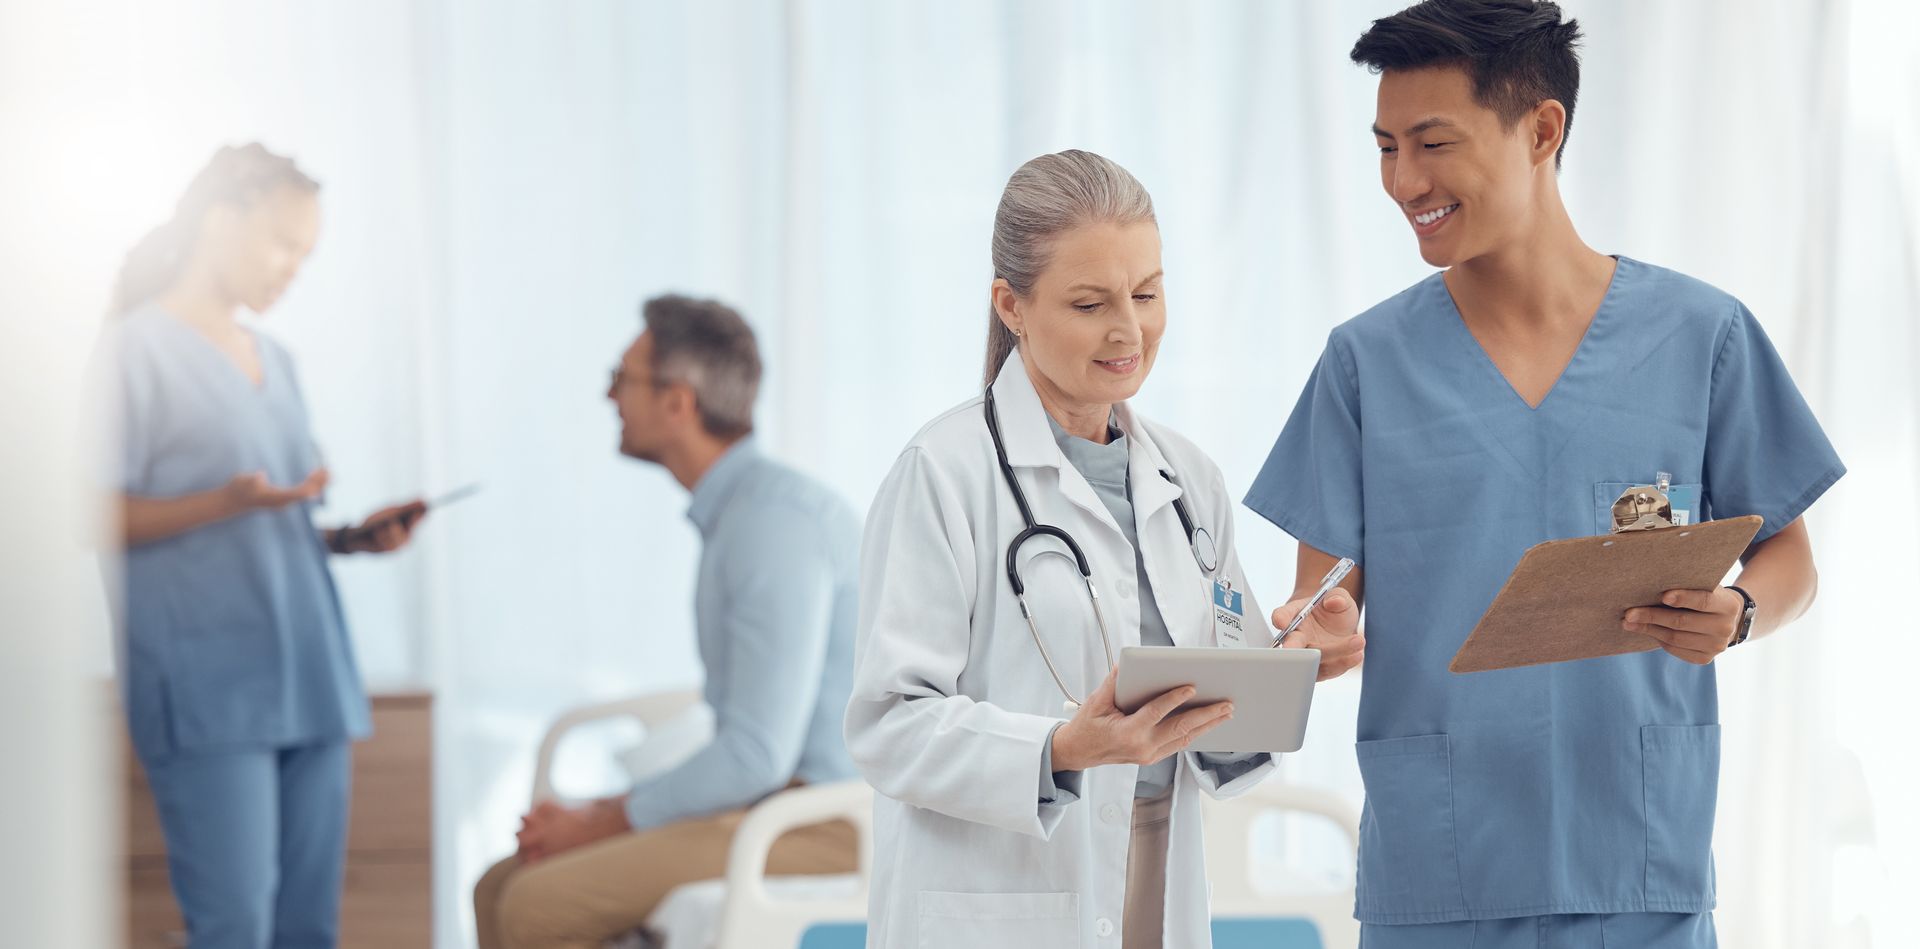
column 1031, row 529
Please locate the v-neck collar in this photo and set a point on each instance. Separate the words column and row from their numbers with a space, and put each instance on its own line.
column 237, row 374
column 1600, row 313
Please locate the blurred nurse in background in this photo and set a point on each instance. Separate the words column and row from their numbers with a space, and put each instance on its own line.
column 239, row 682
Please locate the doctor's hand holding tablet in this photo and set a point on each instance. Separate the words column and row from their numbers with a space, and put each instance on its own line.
column 1318, row 639
column 1100, row 732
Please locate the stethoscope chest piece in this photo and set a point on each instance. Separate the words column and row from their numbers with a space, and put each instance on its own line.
column 1204, row 552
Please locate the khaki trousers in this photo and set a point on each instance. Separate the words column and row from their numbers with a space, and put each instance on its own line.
column 583, row 897
column 1146, row 907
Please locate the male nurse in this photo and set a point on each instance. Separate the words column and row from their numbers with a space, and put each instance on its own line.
column 1511, row 398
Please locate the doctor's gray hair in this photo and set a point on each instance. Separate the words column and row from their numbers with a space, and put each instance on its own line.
column 1046, row 196
column 707, row 345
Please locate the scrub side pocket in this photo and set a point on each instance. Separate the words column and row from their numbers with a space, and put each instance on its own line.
column 1682, row 781
column 1409, row 852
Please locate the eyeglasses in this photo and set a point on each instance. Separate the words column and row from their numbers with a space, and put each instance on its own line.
column 619, row 377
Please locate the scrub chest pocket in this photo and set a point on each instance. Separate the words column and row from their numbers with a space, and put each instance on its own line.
column 1687, row 497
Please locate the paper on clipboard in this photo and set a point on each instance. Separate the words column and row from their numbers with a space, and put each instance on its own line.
column 1566, row 599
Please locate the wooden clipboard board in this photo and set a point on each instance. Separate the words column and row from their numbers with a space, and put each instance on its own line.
column 1567, row 597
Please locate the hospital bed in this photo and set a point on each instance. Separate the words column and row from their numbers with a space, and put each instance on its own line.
column 1257, row 900
column 748, row 909
column 1260, row 901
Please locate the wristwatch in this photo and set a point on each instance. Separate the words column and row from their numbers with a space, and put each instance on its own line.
column 340, row 540
column 1746, row 618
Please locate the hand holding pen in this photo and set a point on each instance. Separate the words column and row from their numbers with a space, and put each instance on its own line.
column 1328, row 620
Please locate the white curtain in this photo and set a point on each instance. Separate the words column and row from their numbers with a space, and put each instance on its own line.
column 506, row 181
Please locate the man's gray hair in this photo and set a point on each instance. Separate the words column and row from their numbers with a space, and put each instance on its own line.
column 708, row 346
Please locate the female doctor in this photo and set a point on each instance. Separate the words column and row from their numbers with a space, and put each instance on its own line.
column 1020, row 541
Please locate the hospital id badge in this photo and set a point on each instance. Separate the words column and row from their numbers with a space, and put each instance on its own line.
column 1229, row 613
column 1685, row 499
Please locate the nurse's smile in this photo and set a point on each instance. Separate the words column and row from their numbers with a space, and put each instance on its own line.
column 1425, row 223
column 1121, row 366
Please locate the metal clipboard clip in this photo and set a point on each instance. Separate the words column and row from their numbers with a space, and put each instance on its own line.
column 1644, row 507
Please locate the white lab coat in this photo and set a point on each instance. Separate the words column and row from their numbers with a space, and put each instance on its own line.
column 952, row 705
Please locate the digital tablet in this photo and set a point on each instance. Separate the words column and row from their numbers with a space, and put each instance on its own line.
column 1271, row 690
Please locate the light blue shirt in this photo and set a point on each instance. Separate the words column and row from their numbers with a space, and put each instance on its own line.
column 774, row 611
column 233, row 633
column 1581, row 787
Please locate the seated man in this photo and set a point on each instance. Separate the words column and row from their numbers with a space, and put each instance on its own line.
column 774, row 610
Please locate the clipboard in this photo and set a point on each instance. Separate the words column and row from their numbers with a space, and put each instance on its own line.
column 1566, row 598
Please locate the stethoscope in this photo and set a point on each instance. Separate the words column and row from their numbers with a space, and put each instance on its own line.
column 1198, row 538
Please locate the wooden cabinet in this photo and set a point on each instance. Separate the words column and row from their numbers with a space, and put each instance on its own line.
column 388, row 900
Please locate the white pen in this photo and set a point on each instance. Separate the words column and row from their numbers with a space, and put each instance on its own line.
column 1332, row 579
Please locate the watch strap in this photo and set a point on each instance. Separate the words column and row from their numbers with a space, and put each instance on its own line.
column 1746, row 618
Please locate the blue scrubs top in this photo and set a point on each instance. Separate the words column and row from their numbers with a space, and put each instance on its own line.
column 234, row 636
column 1582, row 787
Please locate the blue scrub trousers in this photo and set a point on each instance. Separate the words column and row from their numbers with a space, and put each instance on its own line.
column 1614, row 931
column 256, row 843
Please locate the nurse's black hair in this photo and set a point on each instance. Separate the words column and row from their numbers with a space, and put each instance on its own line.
column 235, row 175
column 1518, row 53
